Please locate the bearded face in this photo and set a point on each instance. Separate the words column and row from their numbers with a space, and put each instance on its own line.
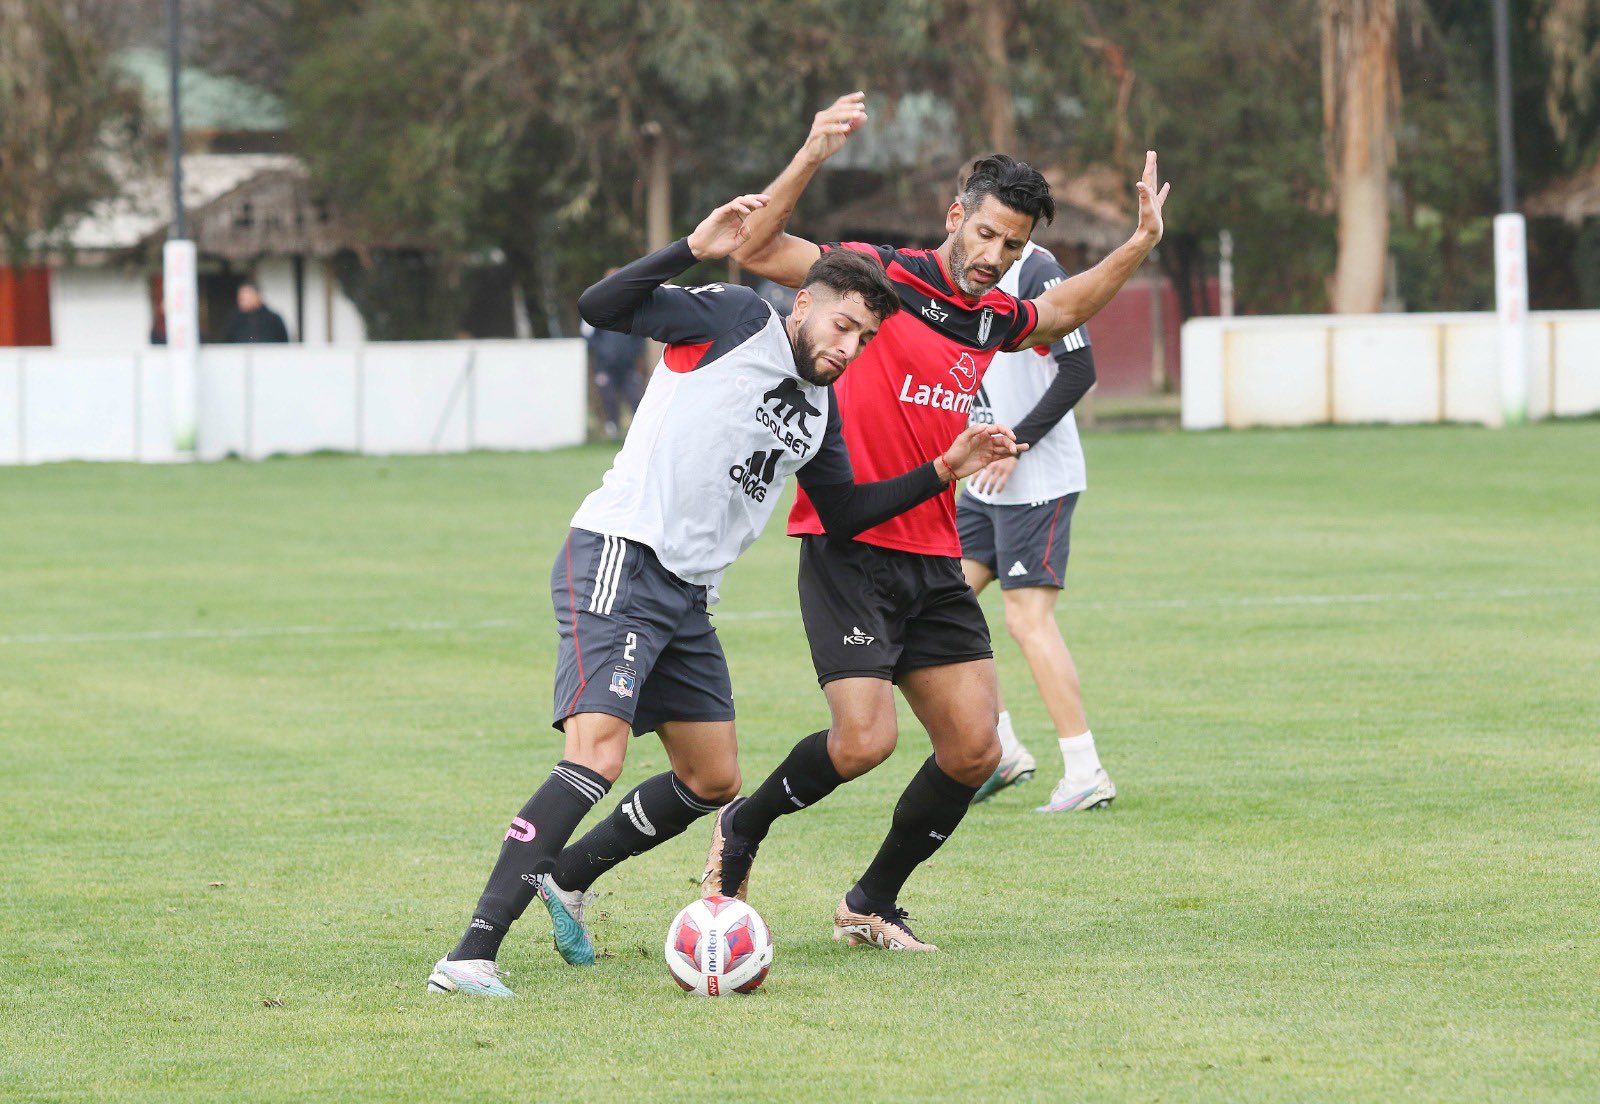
column 805, row 357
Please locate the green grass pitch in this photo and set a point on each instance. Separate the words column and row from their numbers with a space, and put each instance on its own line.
column 262, row 726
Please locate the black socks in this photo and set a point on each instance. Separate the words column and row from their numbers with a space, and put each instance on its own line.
column 531, row 845
column 656, row 810
column 804, row 778
column 928, row 811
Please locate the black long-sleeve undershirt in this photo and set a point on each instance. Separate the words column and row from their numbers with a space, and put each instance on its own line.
column 847, row 509
column 1074, row 377
column 632, row 300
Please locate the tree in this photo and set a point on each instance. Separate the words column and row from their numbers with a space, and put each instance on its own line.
column 531, row 129
column 1361, row 105
column 1226, row 92
column 66, row 119
column 1570, row 32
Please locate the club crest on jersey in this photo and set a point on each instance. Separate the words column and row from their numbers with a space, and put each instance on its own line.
column 985, row 323
column 623, row 680
column 966, row 372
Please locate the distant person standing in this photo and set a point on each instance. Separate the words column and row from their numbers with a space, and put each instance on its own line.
column 1015, row 520
column 254, row 323
column 615, row 360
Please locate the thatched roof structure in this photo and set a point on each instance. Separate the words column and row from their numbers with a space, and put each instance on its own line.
column 1573, row 198
column 241, row 207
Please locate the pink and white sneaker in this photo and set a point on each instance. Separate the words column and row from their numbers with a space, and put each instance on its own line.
column 1070, row 797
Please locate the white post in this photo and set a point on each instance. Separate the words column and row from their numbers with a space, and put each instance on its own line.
column 1225, row 272
column 180, row 296
column 1511, row 310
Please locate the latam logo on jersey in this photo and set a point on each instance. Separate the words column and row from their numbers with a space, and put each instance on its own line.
column 754, row 476
column 787, row 418
column 941, row 397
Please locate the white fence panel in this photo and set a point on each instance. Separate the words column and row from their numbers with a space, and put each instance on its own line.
column 1575, row 367
column 1241, row 372
column 1275, row 375
column 300, row 400
column 81, row 407
column 416, row 398
column 156, row 441
column 527, row 397
column 1386, row 374
column 12, row 426
column 257, row 401
column 222, row 406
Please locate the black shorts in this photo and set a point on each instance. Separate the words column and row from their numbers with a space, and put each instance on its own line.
column 1025, row 546
column 636, row 640
column 877, row 613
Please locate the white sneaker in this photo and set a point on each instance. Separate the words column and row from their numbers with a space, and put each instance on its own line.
column 1076, row 797
column 479, row 977
column 1012, row 771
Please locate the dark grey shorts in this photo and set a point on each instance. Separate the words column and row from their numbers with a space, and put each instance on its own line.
column 1025, row 546
column 636, row 640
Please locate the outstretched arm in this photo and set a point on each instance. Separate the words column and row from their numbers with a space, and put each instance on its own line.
column 847, row 508
column 632, row 300
column 770, row 251
column 1070, row 304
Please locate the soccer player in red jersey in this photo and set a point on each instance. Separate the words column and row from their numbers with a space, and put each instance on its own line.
column 890, row 606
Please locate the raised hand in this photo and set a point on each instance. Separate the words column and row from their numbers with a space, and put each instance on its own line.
column 978, row 446
column 1151, row 225
column 724, row 230
column 833, row 125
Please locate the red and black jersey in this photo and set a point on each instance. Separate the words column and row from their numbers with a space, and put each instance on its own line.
column 909, row 394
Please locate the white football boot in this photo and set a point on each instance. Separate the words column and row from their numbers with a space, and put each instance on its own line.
column 1013, row 770
column 1071, row 797
column 479, row 977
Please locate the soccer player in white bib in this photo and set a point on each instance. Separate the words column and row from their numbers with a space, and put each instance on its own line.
column 1015, row 518
column 741, row 400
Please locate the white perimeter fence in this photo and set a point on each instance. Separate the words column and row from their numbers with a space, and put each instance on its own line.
column 1400, row 368
column 261, row 400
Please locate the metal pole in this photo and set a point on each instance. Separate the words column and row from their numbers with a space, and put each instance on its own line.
column 1510, row 247
column 180, row 228
column 180, row 267
column 1502, row 84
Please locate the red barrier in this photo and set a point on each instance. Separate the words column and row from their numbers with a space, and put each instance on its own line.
column 24, row 305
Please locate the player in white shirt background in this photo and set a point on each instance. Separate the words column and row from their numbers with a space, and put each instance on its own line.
column 1015, row 518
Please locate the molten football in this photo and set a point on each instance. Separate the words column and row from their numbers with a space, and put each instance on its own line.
column 717, row 946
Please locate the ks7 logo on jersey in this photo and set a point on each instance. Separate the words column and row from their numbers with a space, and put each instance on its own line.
column 755, row 474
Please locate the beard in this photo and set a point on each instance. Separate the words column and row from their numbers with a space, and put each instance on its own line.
column 805, row 358
column 958, row 272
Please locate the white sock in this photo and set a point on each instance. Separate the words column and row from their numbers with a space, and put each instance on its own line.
column 1008, row 739
column 1079, row 758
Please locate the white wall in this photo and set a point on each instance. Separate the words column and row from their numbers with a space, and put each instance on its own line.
column 260, row 400
column 84, row 406
column 1395, row 368
column 107, row 309
column 275, row 276
column 99, row 309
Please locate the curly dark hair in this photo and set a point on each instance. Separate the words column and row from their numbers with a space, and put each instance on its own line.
column 1017, row 184
column 846, row 270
